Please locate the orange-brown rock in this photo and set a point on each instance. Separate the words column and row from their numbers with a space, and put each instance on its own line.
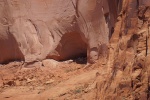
column 33, row 30
column 128, row 64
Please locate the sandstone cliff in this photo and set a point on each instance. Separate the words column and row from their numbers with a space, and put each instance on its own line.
column 32, row 30
column 128, row 64
column 117, row 32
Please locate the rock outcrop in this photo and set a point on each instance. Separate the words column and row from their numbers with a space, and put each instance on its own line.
column 128, row 64
column 33, row 30
column 117, row 32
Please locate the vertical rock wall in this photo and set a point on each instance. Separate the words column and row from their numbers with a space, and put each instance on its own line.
column 33, row 30
column 128, row 64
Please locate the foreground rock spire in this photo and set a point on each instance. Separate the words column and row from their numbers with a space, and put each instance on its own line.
column 128, row 73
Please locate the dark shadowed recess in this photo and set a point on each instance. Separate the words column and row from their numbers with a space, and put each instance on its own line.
column 71, row 46
column 11, row 53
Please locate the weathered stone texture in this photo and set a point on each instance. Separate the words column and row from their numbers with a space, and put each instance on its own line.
column 33, row 30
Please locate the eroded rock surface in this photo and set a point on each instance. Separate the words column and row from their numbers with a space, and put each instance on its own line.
column 33, row 30
column 128, row 64
column 65, row 29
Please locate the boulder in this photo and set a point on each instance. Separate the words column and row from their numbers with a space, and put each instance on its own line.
column 50, row 63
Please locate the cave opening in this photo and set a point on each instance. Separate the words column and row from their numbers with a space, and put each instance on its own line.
column 71, row 47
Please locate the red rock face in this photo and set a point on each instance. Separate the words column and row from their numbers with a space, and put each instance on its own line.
column 34, row 30
column 128, row 64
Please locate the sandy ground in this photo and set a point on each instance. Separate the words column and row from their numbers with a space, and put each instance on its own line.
column 66, row 81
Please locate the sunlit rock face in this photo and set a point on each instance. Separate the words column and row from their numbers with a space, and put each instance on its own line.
column 33, row 30
column 128, row 73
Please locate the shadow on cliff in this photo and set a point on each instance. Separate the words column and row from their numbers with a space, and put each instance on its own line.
column 10, row 51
